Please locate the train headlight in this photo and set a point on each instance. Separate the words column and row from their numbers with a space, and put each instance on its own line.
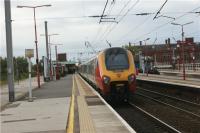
column 131, row 78
column 106, row 80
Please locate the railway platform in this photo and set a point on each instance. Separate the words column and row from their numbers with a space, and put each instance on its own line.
column 47, row 113
column 89, row 113
column 66, row 105
column 179, row 73
column 173, row 80
column 21, row 88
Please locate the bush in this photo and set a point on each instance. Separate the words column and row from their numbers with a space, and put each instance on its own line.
column 20, row 68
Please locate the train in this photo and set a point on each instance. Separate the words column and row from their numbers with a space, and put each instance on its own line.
column 113, row 73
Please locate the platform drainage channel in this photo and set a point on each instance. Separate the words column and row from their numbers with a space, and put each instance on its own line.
column 92, row 101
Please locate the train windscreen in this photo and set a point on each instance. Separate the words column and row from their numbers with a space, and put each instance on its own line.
column 116, row 59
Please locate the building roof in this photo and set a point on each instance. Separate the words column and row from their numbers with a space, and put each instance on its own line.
column 65, row 62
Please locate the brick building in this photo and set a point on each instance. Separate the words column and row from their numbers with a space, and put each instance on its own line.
column 171, row 55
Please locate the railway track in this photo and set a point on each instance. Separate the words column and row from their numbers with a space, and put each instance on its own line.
column 191, row 95
column 147, row 115
column 142, row 121
column 171, row 113
column 171, row 97
column 176, row 103
column 157, row 120
column 181, row 120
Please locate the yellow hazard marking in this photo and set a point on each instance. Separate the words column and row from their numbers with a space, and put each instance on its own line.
column 70, row 123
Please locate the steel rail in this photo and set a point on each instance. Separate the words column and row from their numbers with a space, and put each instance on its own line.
column 171, row 97
column 158, row 120
column 188, row 112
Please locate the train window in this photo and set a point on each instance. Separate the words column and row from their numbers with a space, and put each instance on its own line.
column 97, row 64
column 116, row 59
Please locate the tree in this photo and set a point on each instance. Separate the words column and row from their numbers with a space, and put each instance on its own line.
column 3, row 68
column 20, row 68
column 134, row 50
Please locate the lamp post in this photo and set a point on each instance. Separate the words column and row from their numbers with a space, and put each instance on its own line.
column 9, row 49
column 182, row 34
column 36, row 41
column 154, row 54
column 49, row 56
column 146, row 67
column 56, row 57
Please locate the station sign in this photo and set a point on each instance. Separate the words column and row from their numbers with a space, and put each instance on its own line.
column 29, row 53
column 62, row 57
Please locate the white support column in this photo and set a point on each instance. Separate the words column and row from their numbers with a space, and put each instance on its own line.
column 30, row 99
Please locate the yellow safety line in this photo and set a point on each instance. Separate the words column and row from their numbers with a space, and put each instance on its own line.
column 70, row 122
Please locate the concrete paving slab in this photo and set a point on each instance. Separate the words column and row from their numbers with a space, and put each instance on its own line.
column 21, row 88
column 105, row 121
column 55, row 89
column 40, row 116
column 103, row 118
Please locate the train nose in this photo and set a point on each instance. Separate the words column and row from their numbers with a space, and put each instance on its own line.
column 106, row 80
column 131, row 78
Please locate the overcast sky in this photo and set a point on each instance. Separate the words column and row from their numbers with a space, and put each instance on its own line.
column 68, row 18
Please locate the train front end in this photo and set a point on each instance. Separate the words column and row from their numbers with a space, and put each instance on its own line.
column 117, row 72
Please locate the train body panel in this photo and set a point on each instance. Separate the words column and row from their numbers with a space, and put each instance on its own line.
column 112, row 71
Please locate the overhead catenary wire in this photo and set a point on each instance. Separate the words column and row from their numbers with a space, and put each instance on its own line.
column 107, row 30
column 163, row 25
column 112, row 28
column 101, row 26
column 102, row 16
column 135, row 28
column 160, row 10
column 122, row 9
column 95, row 16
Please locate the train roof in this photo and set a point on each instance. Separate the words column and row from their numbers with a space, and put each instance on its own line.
column 100, row 53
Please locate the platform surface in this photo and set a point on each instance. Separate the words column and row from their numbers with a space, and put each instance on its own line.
column 190, row 82
column 93, row 114
column 48, row 113
column 20, row 87
column 51, row 111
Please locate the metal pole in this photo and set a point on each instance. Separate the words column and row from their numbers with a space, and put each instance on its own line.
column 155, row 57
column 183, row 55
column 47, row 50
column 37, row 59
column 51, row 74
column 56, row 61
column 46, row 35
column 30, row 99
column 56, row 54
column 179, row 63
column 9, row 48
column 146, row 60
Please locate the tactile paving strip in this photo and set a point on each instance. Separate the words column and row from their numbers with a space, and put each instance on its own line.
column 85, row 120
